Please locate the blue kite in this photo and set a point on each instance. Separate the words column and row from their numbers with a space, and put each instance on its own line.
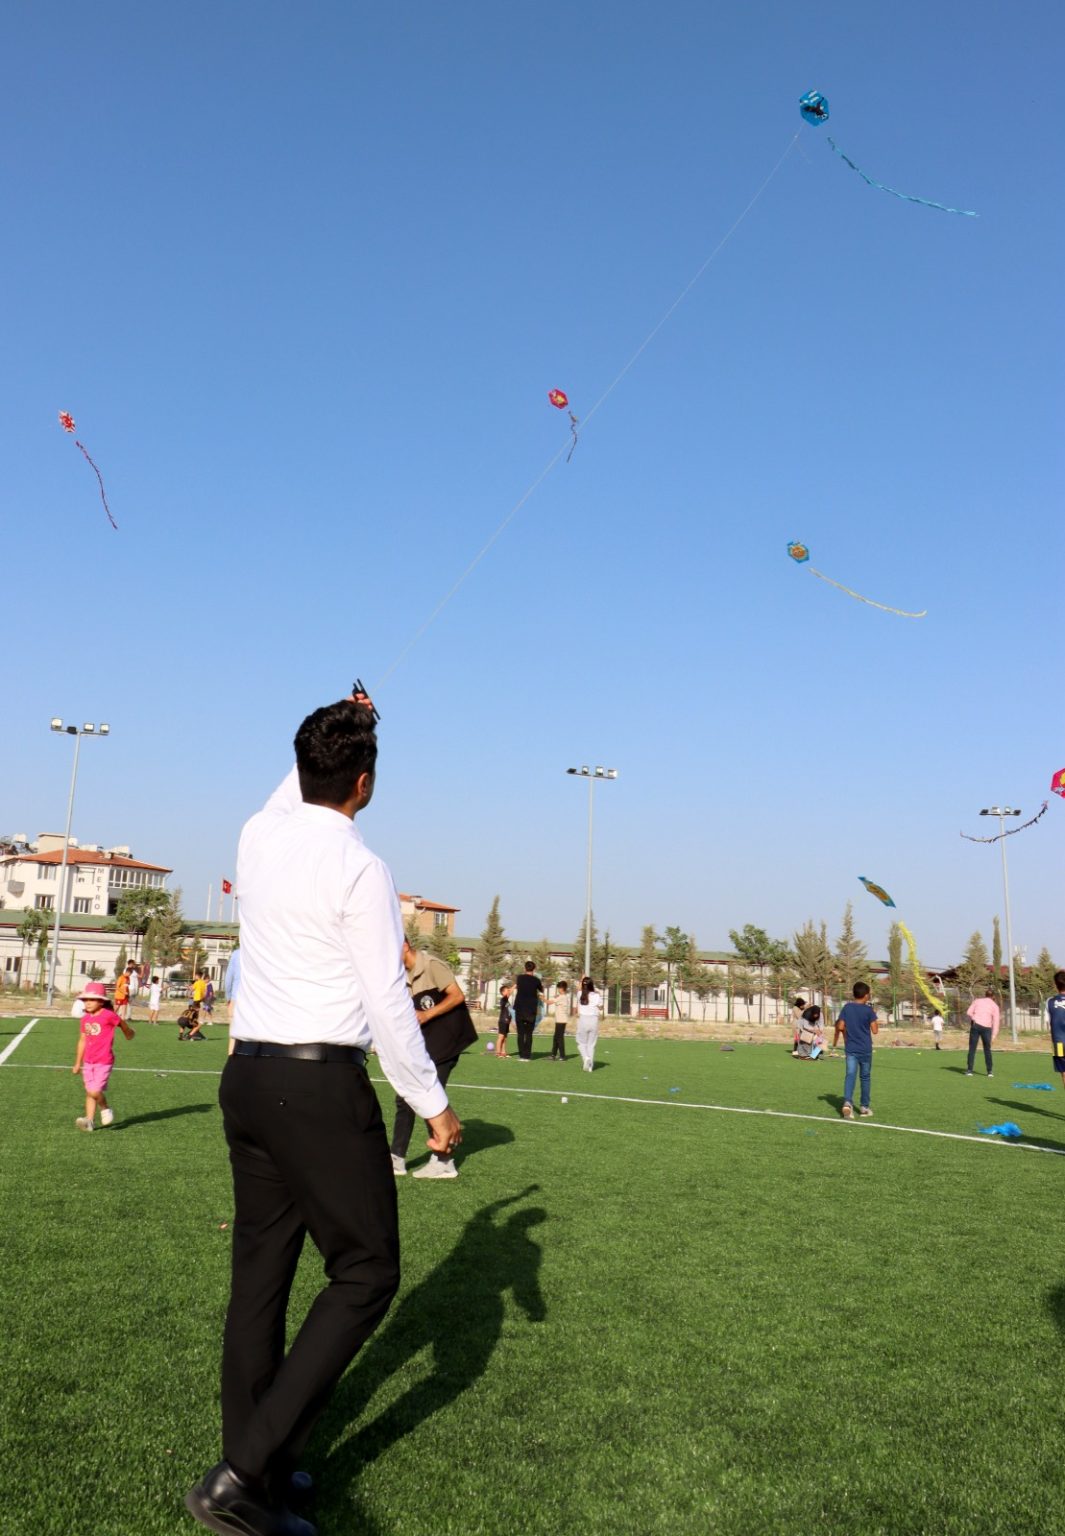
column 814, row 109
column 1007, row 1130
column 1036, row 1087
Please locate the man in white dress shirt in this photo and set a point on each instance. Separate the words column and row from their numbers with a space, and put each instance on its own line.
column 322, row 978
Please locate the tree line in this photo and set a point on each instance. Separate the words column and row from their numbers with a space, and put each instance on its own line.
column 809, row 964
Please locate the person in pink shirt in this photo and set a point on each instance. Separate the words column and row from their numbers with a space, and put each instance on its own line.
column 983, row 1027
column 95, row 1055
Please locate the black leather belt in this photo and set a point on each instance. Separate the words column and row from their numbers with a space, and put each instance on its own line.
column 353, row 1054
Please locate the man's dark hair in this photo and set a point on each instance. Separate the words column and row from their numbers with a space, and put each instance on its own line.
column 861, row 989
column 530, row 965
column 334, row 746
column 1059, row 980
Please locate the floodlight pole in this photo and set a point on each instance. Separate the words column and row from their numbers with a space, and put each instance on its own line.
column 68, row 730
column 1002, row 813
column 591, row 774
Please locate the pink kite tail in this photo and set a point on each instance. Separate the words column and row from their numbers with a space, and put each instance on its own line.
column 100, row 478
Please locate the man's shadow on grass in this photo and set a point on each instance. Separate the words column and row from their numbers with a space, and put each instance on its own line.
column 1026, row 1107
column 457, row 1312
column 833, row 1100
column 1055, row 1304
column 161, row 1114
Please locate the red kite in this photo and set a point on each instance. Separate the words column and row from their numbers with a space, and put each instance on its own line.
column 66, row 421
column 560, row 400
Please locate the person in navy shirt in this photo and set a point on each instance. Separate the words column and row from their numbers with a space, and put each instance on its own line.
column 858, row 1022
column 1056, row 1020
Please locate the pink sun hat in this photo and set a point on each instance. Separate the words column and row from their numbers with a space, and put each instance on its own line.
column 93, row 990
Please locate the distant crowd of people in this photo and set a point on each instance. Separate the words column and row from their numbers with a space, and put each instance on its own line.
column 857, row 1024
column 528, row 1006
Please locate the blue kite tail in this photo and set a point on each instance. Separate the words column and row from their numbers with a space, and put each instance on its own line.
column 1036, row 1087
column 966, row 213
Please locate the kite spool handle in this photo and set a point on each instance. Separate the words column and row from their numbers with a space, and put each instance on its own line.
column 358, row 690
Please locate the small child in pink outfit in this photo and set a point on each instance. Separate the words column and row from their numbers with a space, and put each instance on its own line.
column 95, row 1055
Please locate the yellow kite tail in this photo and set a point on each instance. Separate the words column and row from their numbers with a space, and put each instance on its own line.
column 938, row 1003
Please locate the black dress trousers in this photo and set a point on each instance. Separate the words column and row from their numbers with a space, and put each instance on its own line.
column 309, row 1154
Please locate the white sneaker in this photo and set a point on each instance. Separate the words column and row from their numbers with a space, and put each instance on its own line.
column 83, row 1124
column 399, row 1166
column 437, row 1168
column 107, row 1117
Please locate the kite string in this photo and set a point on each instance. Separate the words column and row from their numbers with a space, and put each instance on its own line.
column 542, row 476
column 100, row 478
column 684, row 292
column 903, row 613
column 911, row 944
column 474, row 563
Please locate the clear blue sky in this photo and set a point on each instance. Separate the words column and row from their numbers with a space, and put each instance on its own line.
column 304, row 275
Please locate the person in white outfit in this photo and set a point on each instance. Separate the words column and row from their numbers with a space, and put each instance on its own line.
column 589, row 1007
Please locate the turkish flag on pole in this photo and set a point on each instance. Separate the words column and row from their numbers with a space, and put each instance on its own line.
column 227, row 887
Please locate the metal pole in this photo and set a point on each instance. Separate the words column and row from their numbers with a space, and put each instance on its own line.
column 1009, row 932
column 588, row 902
column 63, row 873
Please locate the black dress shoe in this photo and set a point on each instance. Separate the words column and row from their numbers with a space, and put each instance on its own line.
column 296, row 1489
column 224, row 1503
column 300, row 1490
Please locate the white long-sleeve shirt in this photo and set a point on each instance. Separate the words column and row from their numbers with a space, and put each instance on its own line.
column 321, row 943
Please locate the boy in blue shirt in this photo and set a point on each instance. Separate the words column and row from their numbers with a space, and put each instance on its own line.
column 1056, row 1020
column 858, row 1023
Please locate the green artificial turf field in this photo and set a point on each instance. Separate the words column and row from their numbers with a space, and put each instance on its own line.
column 623, row 1317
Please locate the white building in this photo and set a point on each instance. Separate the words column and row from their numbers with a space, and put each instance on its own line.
column 92, row 882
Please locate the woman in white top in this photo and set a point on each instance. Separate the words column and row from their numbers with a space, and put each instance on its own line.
column 589, row 1008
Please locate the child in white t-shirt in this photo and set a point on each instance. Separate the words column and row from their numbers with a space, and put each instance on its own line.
column 937, row 1029
column 560, row 1013
column 155, row 997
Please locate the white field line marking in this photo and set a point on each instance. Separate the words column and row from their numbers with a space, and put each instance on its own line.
column 6, row 1052
column 611, row 1098
column 776, row 1114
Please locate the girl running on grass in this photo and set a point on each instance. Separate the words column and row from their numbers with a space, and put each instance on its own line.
column 589, row 1008
column 95, row 1055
